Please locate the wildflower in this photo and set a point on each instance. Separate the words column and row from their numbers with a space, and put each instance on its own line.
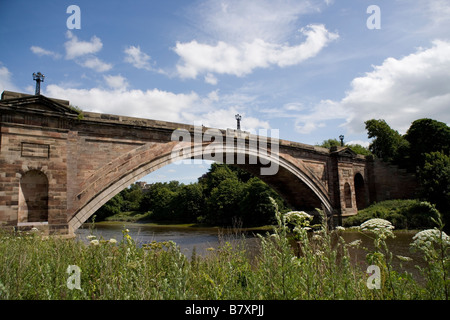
column 403, row 258
column 210, row 249
column 91, row 237
column 298, row 217
column 355, row 243
column 34, row 229
column 95, row 242
column 376, row 224
column 380, row 227
column 316, row 237
column 319, row 253
column 112, row 240
column 424, row 240
column 340, row 228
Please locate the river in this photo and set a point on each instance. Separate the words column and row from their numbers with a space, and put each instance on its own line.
column 200, row 238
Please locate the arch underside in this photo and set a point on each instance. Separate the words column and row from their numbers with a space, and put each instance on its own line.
column 294, row 185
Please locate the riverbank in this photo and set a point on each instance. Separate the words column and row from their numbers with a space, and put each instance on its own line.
column 120, row 268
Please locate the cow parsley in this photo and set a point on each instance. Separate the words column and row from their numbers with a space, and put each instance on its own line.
column 425, row 239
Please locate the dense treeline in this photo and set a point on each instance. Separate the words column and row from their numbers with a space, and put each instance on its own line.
column 225, row 195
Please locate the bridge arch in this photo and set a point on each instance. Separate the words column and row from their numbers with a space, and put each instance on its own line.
column 129, row 168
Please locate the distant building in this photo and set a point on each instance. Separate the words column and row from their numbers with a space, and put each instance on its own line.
column 143, row 185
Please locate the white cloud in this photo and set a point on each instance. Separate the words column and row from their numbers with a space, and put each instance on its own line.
column 116, row 82
column 157, row 104
column 398, row 91
column 403, row 90
column 6, row 82
column 237, row 21
column 76, row 48
column 82, row 52
column 211, row 79
column 95, row 64
column 239, row 60
column 42, row 52
column 137, row 58
column 150, row 104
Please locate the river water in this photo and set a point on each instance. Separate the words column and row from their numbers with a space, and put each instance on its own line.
column 202, row 239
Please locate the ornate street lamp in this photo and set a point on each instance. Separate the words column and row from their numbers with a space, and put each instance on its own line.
column 238, row 118
column 342, row 140
column 38, row 77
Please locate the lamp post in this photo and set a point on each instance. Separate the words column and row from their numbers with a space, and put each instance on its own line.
column 238, row 118
column 342, row 140
column 38, row 77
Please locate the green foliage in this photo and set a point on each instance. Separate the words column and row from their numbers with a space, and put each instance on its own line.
column 330, row 143
column 357, row 148
column 223, row 196
column 434, row 178
column 223, row 202
column 425, row 150
column 256, row 207
column 426, row 136
column 403, row 214
column 316, row 266
column 387, row 142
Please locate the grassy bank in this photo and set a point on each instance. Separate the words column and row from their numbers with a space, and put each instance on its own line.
column 317, row 267
column 403, row 214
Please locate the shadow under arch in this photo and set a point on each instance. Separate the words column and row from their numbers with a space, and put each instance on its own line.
column 290, row 181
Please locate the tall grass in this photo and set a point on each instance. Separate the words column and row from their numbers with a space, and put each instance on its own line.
column 295, row 261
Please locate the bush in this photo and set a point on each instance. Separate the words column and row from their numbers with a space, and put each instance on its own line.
column 403, row 214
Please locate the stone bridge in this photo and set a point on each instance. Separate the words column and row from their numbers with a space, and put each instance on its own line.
column 57, row 167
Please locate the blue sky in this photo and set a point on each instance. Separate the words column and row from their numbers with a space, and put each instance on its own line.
column 312, row 69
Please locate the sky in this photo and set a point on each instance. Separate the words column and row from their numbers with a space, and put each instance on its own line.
column 311, row 69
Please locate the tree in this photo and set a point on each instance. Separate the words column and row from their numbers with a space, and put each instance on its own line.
column 189, row 202
column 217, row 173
column 434, row 178
column 110, row 208
column 223, row 203
column 158, row 199
column 388, row 143
column 132, row 197
column 426, row 136
column 330, row 143
column 256, row 206
column 357, row 148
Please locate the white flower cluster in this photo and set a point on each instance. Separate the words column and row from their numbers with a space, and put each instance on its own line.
column 376, row 224
column 96, row 242
column 381, row 227
column 426, row 238
column 298, row 218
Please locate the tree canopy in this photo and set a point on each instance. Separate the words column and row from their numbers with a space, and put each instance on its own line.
column 223, row 196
